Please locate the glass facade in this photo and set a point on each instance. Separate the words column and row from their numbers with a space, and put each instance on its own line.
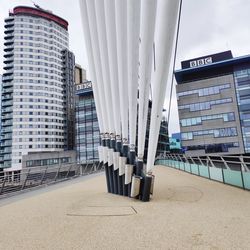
column 205, row 91
column 194, row 121
column 45, row 162
column 220, row 132
column 214, row 148
column 242, row 82
column 204, row 105
column 88, row 134
column 208, row 112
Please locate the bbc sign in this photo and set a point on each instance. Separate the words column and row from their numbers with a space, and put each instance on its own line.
column 206, row 60
column 200, row 62
column 85, row 85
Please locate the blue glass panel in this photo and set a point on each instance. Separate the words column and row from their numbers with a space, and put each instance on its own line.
column 187, row 167
column 177, row 164
column 216, row 174
column 182, row 165
column 194, row 168
column 204, row 171
column 232, row 177
column 246, row 179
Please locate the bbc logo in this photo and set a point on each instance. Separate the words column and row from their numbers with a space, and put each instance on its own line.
column 201, row 62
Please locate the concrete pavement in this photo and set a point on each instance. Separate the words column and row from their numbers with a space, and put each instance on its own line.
column 186, row 212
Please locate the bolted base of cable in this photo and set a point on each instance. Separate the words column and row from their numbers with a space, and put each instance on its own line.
column 124, row 175
column 130, row 180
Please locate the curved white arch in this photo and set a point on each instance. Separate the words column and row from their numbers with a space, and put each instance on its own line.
column 133, row 30
column 89, row 49
column 167, row 16
column 121, row 38
column 147, row 29
column 109, row 8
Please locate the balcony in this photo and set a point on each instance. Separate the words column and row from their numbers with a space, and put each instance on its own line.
column 7, row 143
column 7, row 97
column 6, row 80
column 9, row 47
column 6, row 117
column 7, row 158
column 8, row 66
column 9, row 24
column 10, row 29
column 7, row 130
column 8, row 20
column 7, row 84
column 9, row 42
column 7, row 136
column 6, row 123
column 7, row 110
column 7, row 150
column 8, row 72
column 8, row 54
column 7, row 103
column 8, row 60
column 7, row 90
column 9, row 36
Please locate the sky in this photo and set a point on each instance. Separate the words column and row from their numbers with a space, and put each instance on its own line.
column 207, row 27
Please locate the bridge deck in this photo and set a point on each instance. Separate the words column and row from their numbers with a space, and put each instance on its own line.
column 186, row 212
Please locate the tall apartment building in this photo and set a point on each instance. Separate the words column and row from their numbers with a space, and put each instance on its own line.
column 0, row 103
column 214, row 104
column 69, row 98
column 33, row 89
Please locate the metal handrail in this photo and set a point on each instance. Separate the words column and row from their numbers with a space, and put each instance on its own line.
column 32, row 177
column 218, row 168
column 230, row 162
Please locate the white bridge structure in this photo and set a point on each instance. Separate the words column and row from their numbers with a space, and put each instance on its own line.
column 130, row 47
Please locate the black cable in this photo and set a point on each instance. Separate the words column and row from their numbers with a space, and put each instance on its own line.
column 175, row 52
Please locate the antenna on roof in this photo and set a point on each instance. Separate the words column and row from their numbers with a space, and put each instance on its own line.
column 36, row 5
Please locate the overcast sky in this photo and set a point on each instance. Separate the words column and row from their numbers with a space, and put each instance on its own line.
column 207, row 26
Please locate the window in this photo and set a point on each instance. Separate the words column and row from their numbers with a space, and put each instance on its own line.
column 198, row 120
column 220, row 132
column 205, row 91
column 204, row 105
column 214, row 148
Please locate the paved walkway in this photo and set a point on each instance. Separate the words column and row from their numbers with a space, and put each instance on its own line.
column 186, row 212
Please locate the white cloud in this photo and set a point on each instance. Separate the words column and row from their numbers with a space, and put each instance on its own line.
column 207, row 27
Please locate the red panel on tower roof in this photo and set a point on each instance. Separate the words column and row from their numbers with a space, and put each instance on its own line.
column 41, row 13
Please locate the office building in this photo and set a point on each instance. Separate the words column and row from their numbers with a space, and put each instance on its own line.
column 80, row 74
column 87, row 128
column 33, row 89
column 48, row 159
column 214, row 104
column 88, row 133
column 163, row 141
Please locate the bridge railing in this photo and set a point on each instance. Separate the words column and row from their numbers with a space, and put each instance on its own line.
column 37, row 176
column 232, row 170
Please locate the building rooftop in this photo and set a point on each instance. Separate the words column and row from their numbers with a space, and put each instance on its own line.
column 186, row 212
column 26, row 10
column 218, row 67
